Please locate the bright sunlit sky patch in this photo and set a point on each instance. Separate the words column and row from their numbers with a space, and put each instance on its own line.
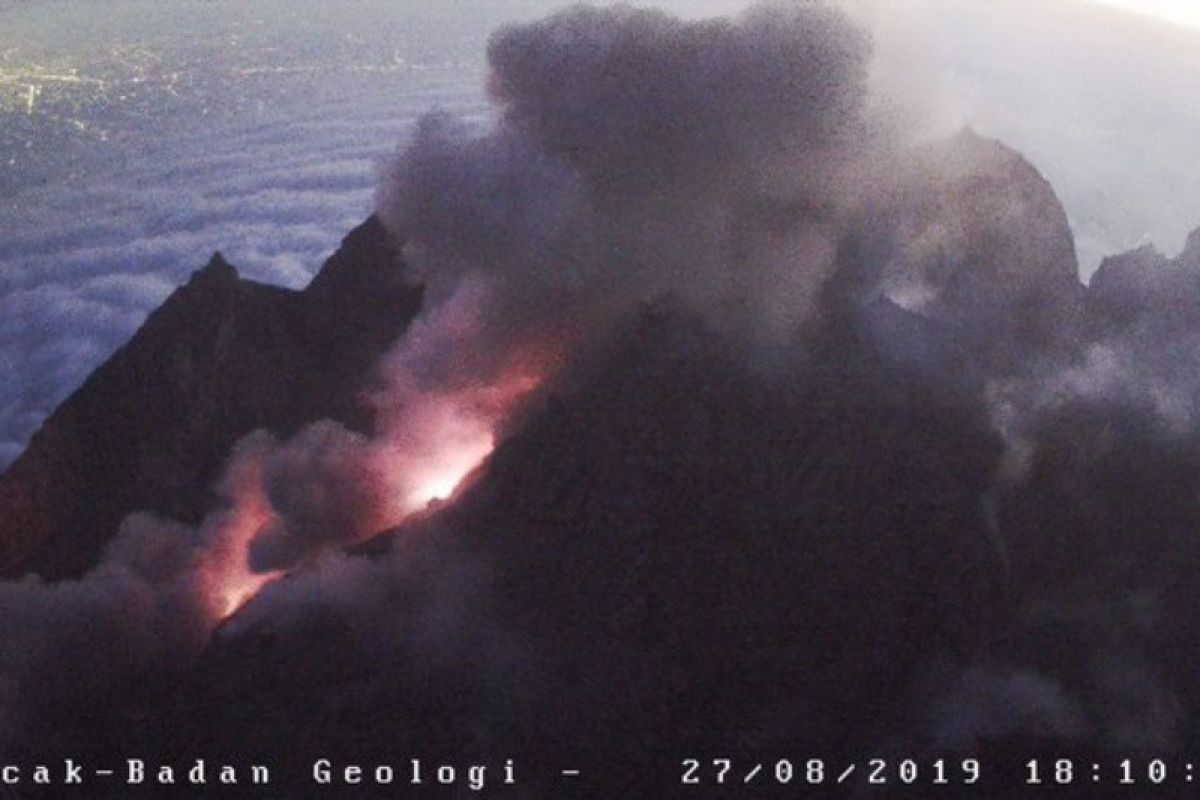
column 1180, row 12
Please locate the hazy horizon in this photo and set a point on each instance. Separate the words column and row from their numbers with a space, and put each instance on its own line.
column 137, row 138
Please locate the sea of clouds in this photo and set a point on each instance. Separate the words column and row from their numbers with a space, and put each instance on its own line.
column 157, row 133
column 209, row 132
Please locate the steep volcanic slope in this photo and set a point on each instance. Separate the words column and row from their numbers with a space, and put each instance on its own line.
column 687, row 552
column 687, row 556
column 920, row 529
column 151, row 428
column 684, row 557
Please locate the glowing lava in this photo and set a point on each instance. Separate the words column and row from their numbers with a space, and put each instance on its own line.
column 448, row 395
column 437, row 439
column 239, row 588
column 431, row 442
column 225, row 577
column 446, row 402
column 451, row 467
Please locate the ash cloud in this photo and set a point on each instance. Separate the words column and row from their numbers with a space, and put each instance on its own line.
column 82, row 658
column 1096, row 504
column 323, row 491
column 524, row 237
column 634, row 98
column 938, row 65
column 638, row 155
column 635, row 157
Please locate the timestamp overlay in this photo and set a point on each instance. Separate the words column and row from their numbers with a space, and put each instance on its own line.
column 1009, row 775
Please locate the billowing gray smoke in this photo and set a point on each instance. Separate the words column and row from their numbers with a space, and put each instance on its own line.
column 119, row 637
column 323, row 491
column 637, row 155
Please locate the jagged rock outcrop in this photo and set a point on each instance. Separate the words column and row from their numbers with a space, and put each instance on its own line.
column 1144, row 284
column 974, row 236
column 152, row 427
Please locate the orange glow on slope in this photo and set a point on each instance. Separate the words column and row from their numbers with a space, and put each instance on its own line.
column 234, row 584
column 433, row 442
column 238, row 588
column 437, row 425
column 451, row 466
column 446, row 402
column 225, row 575
column 439, row 438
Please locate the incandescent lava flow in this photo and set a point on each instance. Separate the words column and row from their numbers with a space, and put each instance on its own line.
column 433, row 431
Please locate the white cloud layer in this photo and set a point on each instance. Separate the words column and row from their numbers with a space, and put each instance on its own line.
column 256, row 130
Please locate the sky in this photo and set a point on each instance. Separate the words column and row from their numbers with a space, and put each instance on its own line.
column 137, row 137
column 1178, row 12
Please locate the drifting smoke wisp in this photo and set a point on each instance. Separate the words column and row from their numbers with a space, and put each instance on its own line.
column 436, row 421
column 125, row 630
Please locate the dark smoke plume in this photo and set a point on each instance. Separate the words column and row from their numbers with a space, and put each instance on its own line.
column 638, row 155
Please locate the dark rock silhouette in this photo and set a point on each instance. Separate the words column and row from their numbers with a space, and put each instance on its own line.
column 152, row 427
column 979, row 241
column 1145, row 286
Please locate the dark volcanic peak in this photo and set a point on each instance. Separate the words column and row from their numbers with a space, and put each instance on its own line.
column 1190, row 257
column 681, row 539
column 1144, row 286
column 218, row 270
column 977, row 238
column 721, row 548
column 151, row 428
